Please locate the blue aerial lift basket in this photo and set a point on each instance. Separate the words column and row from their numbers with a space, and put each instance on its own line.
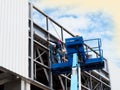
column 76, row 45
column 73, row 45
column 96, row 61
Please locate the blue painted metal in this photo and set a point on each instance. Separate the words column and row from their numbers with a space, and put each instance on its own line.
column 61, row 68
column 94, row 62
column 73, row 45
column 76, row 45
column 91, row 64
column 74, row 75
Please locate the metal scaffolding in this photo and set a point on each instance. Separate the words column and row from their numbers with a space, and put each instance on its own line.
column 39, row 32
column 42, row 27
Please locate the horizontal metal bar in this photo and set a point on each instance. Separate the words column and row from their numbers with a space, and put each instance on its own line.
column 65, row 76
column 85, row 87
column 41, row 64
column 40, row 44
column 92, row 39
column 97, row 79
column 29, row 80
column 53, row 20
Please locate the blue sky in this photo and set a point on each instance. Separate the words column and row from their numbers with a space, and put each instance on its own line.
column 90, row 21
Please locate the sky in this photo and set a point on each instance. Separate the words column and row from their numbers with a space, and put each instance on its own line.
column 90, row 19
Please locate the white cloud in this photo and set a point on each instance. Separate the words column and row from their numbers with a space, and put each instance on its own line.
column 73, row 24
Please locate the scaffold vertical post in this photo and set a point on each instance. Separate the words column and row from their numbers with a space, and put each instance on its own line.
column 32, row 44
column 49, row 63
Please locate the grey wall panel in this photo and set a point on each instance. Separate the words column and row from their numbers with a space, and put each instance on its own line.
column 14, row 35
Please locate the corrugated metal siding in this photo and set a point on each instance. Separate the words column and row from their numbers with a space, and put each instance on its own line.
column 14, row 35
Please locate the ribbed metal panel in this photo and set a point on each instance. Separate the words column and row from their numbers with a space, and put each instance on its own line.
column 14, row 35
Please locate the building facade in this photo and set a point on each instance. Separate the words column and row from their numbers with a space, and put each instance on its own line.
column 25, row 55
